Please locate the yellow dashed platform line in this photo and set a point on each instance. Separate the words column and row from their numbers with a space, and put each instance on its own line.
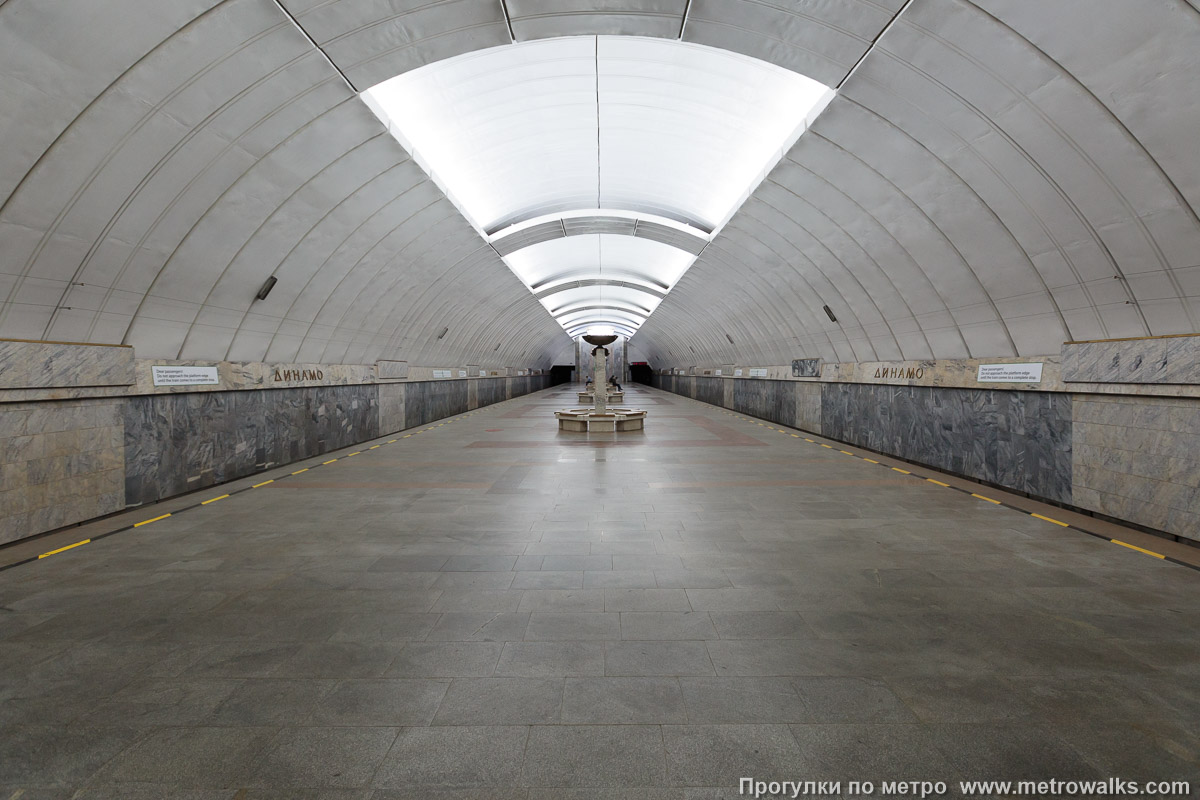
column 264, row 483
column 981, row 497
column 1132, row 547
column 330, row 461
column 871, row 460
column 61, row 549
column 847, row 452
column 939, row 483
column 213, row 499
column 897, row 469
column 1048, row 519
column 148, row 521
column 297, row 472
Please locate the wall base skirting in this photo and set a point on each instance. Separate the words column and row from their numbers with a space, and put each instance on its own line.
column 1131, row 458
column 68, row 461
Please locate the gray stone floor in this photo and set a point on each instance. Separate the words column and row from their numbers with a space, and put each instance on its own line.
column 491, row 609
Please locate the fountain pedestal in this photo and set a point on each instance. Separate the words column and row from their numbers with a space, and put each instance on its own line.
column 600, row 417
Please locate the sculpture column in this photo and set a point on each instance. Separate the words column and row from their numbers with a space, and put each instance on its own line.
column 600, row 380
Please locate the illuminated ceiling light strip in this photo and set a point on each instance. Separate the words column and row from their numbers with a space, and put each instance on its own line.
column 674, row 134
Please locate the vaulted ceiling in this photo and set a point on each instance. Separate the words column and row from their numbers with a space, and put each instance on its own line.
column 991, row 178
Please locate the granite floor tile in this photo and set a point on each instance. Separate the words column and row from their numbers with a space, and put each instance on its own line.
column 380, row 701
column 475, row 758
column 501, row 701
column 52, row 755
column 190, row 757
column 667, row 625
column 646, row 600
column 452, row 659
column 322, row 757
column 622, row 701
column 720, row 755
column 548, row 580
column 721, row 701
column 549, row 626
column 481, row 626
column 595, row 756
column 551, row 659
column 657, row 658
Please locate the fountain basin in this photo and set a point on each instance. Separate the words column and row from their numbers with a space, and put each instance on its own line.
column 583, row 420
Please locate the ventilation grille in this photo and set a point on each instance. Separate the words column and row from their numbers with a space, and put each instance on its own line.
column 582, row 226
column 536, row 234
column 687, row 242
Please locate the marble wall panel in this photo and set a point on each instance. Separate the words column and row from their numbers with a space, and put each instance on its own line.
column 773, row 400
column 426, row 401
column 391, row 370
column 60, row 463
column 808, row 406
column 1138, row 458
column 41, row 365
column 391, row 407
column 490, row 390
column 1174, row 359
column 1019, row 440
column 710, row 390
column 180, row 442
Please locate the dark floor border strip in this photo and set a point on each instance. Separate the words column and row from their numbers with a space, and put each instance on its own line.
column 1071, row 526
column 432, row 425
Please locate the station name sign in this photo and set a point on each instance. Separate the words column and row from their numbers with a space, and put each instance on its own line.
column 900, row 373
column 298, row 374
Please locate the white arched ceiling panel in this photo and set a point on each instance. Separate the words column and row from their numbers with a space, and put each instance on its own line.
column 678, row 130
column 598, row 131
column 1007, row 202
column 993, row 178
column 225, row 150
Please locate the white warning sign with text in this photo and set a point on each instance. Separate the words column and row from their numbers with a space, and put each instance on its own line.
column 184, row 376
column 1010, row 373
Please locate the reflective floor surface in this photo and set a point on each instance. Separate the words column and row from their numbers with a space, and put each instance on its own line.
column 492, row 609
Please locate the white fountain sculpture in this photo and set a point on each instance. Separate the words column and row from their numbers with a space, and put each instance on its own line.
column 600, row 417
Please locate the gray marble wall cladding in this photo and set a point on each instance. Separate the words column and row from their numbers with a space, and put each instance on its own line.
column 1020, row 440
column 808, row 406
column 429, row 400
column 180, row 442
column 710, row 390
column 490, row 390
column 37, row 365
column 773, row 400
column 1138, row 458
column 1174, row 359
column 391, row 407
column 60, row 463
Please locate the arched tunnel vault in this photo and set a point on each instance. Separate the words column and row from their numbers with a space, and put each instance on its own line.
column 992, row 179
